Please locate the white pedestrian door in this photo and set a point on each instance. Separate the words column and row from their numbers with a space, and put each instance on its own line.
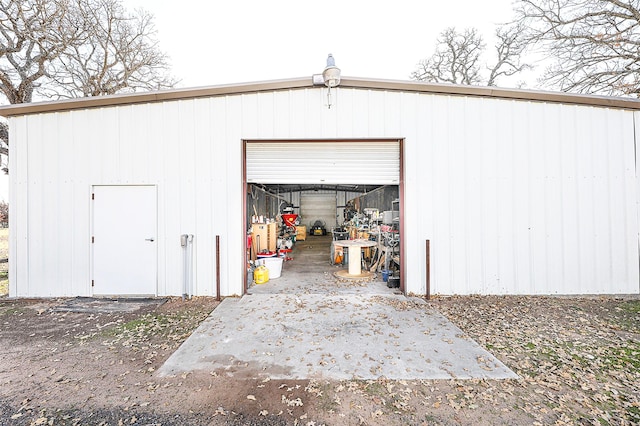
column 124, row 240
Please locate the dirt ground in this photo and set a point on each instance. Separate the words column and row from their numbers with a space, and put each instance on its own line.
column 578, row 359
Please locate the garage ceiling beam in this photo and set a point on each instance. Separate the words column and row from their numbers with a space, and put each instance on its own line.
column 286, row 188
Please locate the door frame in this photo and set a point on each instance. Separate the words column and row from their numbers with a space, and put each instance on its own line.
column 92, row 233
column 401, row 191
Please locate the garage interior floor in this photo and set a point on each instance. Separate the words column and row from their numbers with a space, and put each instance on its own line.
column 307, row 324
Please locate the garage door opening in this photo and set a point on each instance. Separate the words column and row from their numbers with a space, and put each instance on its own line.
column 322, row 215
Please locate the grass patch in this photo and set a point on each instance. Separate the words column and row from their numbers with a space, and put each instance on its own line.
column 11, row 310
column 324, row 394
column 172, row 329
column 4, row 253
column 149, row 324
column 632, row 306
column 624, row 357
column 4, row 238
column 633, row 414
column 375, row 388
column 4, row 283
column 626, row 316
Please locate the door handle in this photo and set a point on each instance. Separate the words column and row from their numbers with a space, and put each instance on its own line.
column 149, row 239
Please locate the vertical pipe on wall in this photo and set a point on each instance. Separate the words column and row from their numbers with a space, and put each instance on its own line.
column 183, row 244
column 186, row 242
column 218, row 268
column 428, row 268
column 401, row 188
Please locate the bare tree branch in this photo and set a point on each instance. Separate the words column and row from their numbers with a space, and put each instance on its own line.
column 4, row 147
column 509, row 48
column 118, row 54
column 594, row 44
column 32, row 34
column 458, row 58
column 455, row 60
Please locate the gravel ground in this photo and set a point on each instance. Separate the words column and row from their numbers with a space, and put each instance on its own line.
column 578, row 360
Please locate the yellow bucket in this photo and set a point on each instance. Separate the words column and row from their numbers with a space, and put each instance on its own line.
column 261, row 274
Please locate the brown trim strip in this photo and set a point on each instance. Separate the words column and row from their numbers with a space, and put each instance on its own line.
column 299, row 83
column 428, row 268
column 147, row 97
column 403, row 268
column 245, row 256
column 218, row 298
column 493, row 92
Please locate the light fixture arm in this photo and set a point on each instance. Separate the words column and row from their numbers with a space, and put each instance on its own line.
column 331, row 76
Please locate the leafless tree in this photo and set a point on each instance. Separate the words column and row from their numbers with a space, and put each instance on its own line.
column 459, row 58
column 594, row 44
column 510, row 48
column 33, row 33
column 117, row 53
column 4, row 214
column 456, row 59
column 74, row 48
column 4, row 147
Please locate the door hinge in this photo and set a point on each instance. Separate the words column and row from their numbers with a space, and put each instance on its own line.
column 93, row 240
column 93, row 196
column 92, row 283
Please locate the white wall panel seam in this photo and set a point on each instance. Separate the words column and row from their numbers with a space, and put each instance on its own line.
column 636, row 172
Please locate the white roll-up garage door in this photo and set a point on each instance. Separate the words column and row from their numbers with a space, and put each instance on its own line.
column 356, row 162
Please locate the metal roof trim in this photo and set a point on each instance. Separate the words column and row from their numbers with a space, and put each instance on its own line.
column 158, row 96
column 493, row 92
column 306, row 82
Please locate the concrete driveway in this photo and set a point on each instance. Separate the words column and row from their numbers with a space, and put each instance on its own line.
column 337, row 336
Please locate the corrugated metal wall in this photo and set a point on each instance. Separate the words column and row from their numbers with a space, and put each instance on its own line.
column 522, row 197
column 516, row 197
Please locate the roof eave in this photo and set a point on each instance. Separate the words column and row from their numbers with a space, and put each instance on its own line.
column 306, row 82
column 156, row 96
column 493, row 92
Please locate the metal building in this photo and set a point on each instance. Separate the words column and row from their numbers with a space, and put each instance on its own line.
column 517, row 192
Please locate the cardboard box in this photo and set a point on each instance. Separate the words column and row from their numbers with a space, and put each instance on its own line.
column 265, row 235
column 301, row 232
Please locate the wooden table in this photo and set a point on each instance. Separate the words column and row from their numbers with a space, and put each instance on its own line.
column 355, row 255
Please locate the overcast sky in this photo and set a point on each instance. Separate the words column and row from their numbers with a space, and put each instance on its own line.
column 225, row 42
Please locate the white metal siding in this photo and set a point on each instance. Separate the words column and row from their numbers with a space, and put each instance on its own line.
column 370, row 162
column 526, row 197
column 516, row 197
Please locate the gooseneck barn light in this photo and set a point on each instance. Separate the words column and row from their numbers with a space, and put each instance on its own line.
column 331, row 77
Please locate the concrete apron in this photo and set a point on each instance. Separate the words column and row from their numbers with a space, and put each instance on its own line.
column 345, row 336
